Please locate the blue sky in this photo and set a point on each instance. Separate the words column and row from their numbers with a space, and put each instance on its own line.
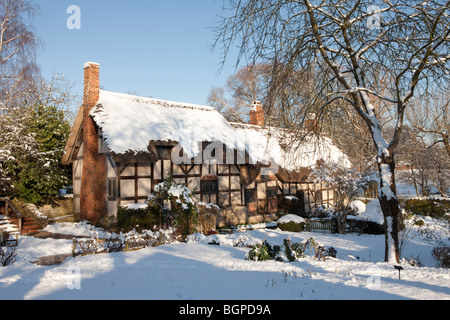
column 154, row 48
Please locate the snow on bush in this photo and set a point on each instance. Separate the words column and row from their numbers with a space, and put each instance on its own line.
column 291, row 218
column 290, row 251
column 112, row 242
column 371, row 213
column 291, row 222
column 358, row 206
column 223, row 240
column 179, row 200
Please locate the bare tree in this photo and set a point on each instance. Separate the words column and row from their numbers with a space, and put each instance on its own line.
column 252, row 83
column 346, row 184
column 440, row 169
column 430, row 117
column 18, row 47
column 349, row 42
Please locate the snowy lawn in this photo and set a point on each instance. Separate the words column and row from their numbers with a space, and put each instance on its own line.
column 197, row 271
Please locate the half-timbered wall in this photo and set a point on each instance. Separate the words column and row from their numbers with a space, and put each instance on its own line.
column 313, row 194
column 135, row 181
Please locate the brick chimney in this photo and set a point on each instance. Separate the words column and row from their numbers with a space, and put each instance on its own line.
column 311, row 124
column 93, row 180
column 256, row 114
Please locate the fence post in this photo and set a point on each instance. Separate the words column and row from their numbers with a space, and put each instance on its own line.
column 20, row 223
column 74, row 245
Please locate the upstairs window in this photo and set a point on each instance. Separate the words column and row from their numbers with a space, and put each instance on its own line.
column 164, row 152
column 209, row 184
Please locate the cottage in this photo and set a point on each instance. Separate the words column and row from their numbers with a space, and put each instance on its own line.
column 121, row 146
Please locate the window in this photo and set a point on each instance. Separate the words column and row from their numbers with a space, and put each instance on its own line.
column 271, row 191
column 318, row 196
column 112, row 189
column 210, row 186
column 164, row 152
column 250, row 196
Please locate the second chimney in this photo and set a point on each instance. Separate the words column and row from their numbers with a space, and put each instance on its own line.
column 311, row 123
column 256, row 114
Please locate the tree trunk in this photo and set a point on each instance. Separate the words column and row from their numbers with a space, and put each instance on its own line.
column 446, row 142
column 341, row 221
column 390, row 207
column 414, row 179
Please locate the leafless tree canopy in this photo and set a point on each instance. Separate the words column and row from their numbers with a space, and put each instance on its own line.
column 253, row 83
column 430, row 117
column 363, row 53
column 18, row 47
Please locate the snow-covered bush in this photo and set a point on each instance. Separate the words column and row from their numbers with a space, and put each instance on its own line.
column 346, row 184
column 291, row 251
column 130, row 241
column 233, row 240
column 322, row 212
column 368, row 218
column 140, row 218
column 291, row 222
column 263, row 252
column 170, row 205
column 176, row 206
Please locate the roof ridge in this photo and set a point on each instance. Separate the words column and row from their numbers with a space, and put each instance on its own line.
column 161, row 102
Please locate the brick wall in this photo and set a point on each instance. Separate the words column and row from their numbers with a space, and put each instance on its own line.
column 93, row 180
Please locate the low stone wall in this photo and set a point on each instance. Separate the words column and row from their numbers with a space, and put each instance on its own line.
column 61, row 210
column 237, row 215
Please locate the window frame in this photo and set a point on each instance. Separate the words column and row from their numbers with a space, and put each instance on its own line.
column 249, row 195
column 164, row 152
column 213, row 186
column 112, row 189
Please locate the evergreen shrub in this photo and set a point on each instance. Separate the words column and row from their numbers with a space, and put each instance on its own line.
column 292, row 226
column 139, row 219
column 435, row 208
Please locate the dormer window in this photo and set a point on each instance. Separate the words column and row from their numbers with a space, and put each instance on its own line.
column 164, row 152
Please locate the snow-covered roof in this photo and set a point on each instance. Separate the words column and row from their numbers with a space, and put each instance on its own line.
column 287, row 149
column 130, row 123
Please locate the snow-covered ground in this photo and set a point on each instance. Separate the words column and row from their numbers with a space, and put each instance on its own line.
column 198, row 271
